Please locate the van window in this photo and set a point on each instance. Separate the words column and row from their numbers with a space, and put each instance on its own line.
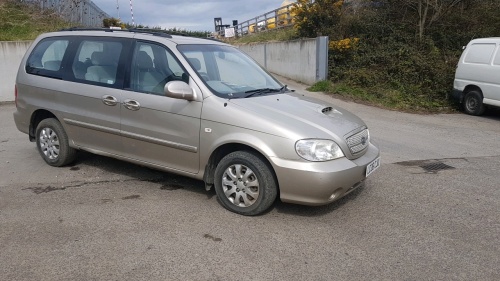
column 97, row 61
column 480, row 53
column 46, row 57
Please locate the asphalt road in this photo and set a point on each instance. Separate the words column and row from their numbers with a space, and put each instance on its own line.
column 103, row 219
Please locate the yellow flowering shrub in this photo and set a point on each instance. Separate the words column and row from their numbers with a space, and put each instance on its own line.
column 315, row 18
column 344, row 44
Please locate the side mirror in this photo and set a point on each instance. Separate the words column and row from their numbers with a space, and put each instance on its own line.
column 179, row 90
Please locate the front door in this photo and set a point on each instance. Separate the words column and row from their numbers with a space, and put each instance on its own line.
column 156, row 129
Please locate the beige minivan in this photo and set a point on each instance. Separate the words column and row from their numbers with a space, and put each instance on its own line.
column 195, row 107
column 477, row 78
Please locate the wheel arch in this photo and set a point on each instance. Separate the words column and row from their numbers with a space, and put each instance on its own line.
column 470, row 88
column 225, row 149
column 36, row 118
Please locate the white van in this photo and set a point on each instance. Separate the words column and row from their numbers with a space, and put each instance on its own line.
column 477, row 79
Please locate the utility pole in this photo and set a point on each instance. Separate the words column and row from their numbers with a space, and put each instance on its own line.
column 118, row 9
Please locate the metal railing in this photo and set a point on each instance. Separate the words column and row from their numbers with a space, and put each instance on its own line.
column 82, row 12
column 278, row 18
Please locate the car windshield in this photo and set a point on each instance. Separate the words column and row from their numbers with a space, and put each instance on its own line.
column 228, row 72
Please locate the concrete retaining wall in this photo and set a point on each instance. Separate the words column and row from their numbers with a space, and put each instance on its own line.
column 11, row 54
column 304, row 60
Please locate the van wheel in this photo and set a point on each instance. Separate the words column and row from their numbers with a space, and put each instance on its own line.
column 52, row 143
column 245, row 184
column 473, row 103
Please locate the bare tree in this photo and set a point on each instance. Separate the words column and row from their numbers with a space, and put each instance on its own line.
column 430, row 11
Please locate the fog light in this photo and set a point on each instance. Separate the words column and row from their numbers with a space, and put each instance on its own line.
column 336, row 194
column 332, row 197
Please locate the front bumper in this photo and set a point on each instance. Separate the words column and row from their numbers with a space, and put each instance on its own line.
column 320, row 183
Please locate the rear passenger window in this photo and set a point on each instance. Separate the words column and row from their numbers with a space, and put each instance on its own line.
column 97, row 61
column 480, row 53
column 46, row 57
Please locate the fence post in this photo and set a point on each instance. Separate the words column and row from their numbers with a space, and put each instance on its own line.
column 265, row 55
column 321, row 58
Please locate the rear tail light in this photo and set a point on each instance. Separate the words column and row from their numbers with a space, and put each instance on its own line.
column 15, row 94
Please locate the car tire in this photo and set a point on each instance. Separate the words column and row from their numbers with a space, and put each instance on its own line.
column 245, row 184
column 52, row 143
column 473, row 103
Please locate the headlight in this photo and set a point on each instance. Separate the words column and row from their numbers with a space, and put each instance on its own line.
column 318, row 150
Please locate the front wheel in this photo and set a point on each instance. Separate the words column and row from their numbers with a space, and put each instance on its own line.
column 245, row 184
column 473, row 103
column 52, row 142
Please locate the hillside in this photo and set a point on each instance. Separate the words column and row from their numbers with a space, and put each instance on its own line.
column 19, row 21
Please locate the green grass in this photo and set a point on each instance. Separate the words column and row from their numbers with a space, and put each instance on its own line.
column 383, row 97
column 282, row 34
column 24, row 22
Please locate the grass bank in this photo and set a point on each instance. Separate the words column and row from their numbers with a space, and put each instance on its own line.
column 383, row 97
column 25, row 22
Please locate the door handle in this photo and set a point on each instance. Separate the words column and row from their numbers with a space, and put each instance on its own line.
column 109, row 100
column 132, row 104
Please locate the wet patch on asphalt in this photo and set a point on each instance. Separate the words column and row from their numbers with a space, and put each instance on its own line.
column 165, row 183
column 171, row 187
column 131, row 197
column 42, row 189
column 210, row 237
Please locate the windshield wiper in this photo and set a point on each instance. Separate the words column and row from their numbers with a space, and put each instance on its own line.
column 261, row 91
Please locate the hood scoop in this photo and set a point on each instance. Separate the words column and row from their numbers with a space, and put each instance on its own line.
column 329, row 111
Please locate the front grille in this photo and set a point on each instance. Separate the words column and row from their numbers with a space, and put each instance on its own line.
column 358, row 142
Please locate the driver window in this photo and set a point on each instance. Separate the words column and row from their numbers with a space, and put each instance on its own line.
column 153, row 66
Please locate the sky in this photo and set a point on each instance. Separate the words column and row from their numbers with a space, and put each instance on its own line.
column 193, row 15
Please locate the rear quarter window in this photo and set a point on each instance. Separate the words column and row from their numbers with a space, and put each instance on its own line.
column 480, row 53
column 496, row 61
column 46, row 57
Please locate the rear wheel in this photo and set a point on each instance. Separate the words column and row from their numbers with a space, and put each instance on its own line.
column 473, row 103
column 52, row 142
column 245, row 184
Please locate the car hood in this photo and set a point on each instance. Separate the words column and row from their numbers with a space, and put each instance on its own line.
column 296, row 116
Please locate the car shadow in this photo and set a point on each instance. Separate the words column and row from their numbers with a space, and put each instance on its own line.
column 170, row 182
column 492, row 113
column 167, row 181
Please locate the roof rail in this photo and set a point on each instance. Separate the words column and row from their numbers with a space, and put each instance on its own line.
column 89, row 29
column 155, row 32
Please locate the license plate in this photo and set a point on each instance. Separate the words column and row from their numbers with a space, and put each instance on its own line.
column 372, row 166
